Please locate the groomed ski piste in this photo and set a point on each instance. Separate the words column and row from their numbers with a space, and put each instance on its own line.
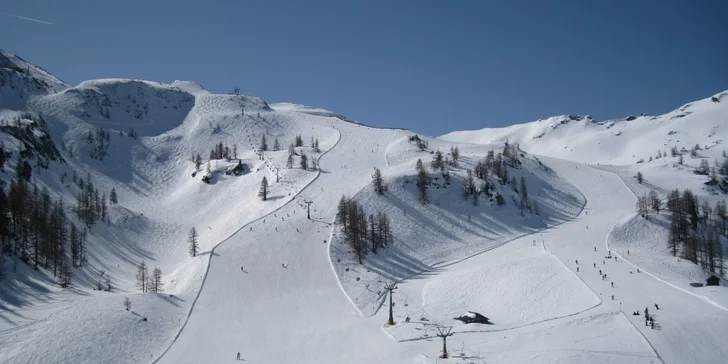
column 278, row 287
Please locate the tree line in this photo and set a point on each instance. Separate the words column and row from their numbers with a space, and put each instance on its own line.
column 361, row 231
column 695, row 227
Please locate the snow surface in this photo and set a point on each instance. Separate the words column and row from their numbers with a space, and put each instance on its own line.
column 278, row 287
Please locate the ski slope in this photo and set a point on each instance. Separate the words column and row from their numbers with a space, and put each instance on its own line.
column 279, row 287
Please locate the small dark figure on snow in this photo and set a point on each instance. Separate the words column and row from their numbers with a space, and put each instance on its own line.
column 241, row 268
column 657, row 307
column 577, row 269
column 636, row 313
column 612, row 284
column 628, row 252
column 238, row 357
column 595, row 248
column 600, row 273
column 577, row 262
column 638, row 270
column 647, row 321
column 595, row 265
column 647, row 313
column 612, row 297
column 652, row 324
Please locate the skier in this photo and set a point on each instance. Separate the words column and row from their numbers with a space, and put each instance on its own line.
column 647, row 312
column 612, row 284
column 595, row 265
column 612, row 297
column 638, row 270
column 657, row 307
column 241, row 268
column 595, row 248
column 238, row 357
column 627, row 251
column 577, row 269
column 600, row 272
column 577, row 262
column 646, row 321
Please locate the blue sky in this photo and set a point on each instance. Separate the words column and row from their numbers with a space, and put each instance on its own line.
column 431, row 66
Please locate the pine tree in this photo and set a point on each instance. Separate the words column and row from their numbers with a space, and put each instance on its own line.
column 276, row 144
column 263, row 193
column 142, row 276
column 524, row 195
column 342, row 212
column 378, row 182
column 73, row 238
column 291, row 150
column 422, row 183
column 316, row 146
column 438, row 162
column 154, row 284
column 192, row 244
column 455, row 152
column 304, row 161
column 298, row 141
column 655, row 201
column 112, row 196
column 639, row 177
column 263, row 144
column 65, row 273
column 235, row 150
column 198, row 162
column 289, row 161
column 469, row 188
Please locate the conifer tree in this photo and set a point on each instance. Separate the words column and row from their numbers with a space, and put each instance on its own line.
column 154, row 284
column 289, row 161
column 304, row 161
column 422, row 182
column 639, row 177
column 192, row 244
column 263, row 144
column 438, row 162
column 378, row 182
column 198, row 162
column 142, row 276
column 263, row 193
column 455, row 152
column 276, row 144
column 112, row 196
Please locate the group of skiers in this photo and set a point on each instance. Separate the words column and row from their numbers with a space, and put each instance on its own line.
column 649, row 319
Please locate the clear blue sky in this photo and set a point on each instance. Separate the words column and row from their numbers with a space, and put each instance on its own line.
column 431, row 66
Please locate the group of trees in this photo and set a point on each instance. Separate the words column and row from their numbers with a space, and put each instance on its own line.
column 695, row 227
column 90, row 206
column 36, row 231
column 362, row 232
column 304, row 161
column 100, row 144
column 220, row 151
column 146, row 282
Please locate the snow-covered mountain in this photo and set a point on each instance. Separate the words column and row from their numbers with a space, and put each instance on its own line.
column 279, row 280
column 623, row 141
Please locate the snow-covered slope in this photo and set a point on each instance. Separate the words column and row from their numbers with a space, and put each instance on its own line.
column 20, row 80
column 275, row 281
column 624, row 141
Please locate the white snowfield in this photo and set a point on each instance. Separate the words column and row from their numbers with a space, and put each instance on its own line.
column 275, row 286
